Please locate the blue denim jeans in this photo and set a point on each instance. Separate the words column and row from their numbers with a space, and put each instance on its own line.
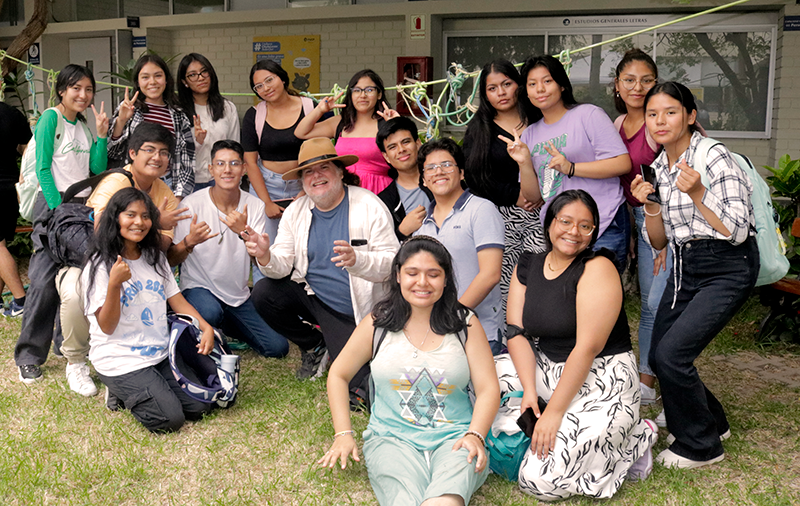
column 716, row 280
column 617, row 236
column 278, row 189
column 651, row 289
column 241, row 322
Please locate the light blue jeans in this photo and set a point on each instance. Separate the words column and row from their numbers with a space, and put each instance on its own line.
column 278, row 189
column 651, row 289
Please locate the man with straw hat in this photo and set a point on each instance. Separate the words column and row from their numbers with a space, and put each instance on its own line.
column 334, row 249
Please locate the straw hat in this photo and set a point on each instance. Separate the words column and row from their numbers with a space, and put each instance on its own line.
column 317, row 150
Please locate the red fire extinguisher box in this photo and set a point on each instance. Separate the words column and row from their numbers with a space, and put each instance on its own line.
column 411, row 69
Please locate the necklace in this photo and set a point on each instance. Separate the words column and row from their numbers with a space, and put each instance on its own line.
column 550, row 266
column 414, row 355
column 222, row 229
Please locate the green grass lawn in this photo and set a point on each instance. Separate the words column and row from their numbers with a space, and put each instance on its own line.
column 59, row 448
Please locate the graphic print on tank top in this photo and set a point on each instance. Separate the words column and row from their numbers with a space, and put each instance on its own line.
column 423, row 396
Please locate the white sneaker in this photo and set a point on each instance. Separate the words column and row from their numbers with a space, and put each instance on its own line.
column 722, row 437
column 79, row 380
column 649, row 395
column 669, row 459
column 661, row 420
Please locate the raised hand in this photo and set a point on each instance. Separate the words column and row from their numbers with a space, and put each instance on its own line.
column 387, row 113
column 559, row 162
column 127, row 107
column 199, row 133
column 101, row 121
column 328, row 104
column 235, row 220
column 257, row 244
column 170, row 218
column 413, row 220
column 689, row 181
column 120, row 273
column 198, row 233
column 517, row 150
column 640, row 189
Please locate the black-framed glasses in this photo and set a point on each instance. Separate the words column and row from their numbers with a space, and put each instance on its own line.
column 566, row 226
column 164, row 153
column 368, row 91
column 629, row 83
column 195, row 76
column 447, row 167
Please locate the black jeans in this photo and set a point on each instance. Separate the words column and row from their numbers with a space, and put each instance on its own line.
column 716, row 280
column 155, row 398
column 284, row 304
column 41, row 301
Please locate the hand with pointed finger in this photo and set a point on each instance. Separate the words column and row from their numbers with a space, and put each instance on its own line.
column 517, row 150
column 199, row 133
column 198, row 233
column 127, row 107
column 257, row 244
column 235, row 220
column 328, row 104
column 558, row 161
column 169, row 219
column 345, row 254
column 387, row 113
column 120, row 273
column 101, row 121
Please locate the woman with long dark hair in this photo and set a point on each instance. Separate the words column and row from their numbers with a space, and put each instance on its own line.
column 214, row 117
column 66, row 152
column 490, row 172
column 413, row 455
column 572, row 146
column 127, row 285
column 711, row 230
column 154, row 101
column 570, row 344
column 354, row 130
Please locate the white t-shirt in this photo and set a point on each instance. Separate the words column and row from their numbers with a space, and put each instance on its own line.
column 221, row 264
column 141, row 338
column 226, row 128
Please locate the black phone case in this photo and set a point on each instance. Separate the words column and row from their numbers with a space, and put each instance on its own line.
column 527, row 421
column 649, row 175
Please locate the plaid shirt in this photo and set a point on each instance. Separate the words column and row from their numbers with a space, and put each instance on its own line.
column 728, row 197
column 180, row 173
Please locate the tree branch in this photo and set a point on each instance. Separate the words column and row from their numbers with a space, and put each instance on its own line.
column 32, row 31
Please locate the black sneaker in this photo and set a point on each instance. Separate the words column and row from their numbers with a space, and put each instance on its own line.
column 311, row 360
column 30, row 374
column 112, row 401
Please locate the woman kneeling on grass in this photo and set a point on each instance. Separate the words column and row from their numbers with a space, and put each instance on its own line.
column 128, row 284
column 425, row 439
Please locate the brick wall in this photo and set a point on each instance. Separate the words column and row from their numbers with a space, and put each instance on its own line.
column 345, row 48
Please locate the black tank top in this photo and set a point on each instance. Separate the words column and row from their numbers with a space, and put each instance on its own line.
column 549, row 311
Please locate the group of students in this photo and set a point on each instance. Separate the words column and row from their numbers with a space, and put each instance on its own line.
column 538, row 198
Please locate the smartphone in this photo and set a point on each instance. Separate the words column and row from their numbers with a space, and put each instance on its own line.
column 358, row 242
column 527, row 421
column 284, row 203
column 649, row 175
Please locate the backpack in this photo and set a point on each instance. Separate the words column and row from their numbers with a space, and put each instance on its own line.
column 213, row 384
column 771, row 249
column 261, row 114
column 506, row 451
column 70, row 226
column 28, row 187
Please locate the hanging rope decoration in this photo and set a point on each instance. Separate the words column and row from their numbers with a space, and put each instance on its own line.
column 447, row 108
column 32, row 88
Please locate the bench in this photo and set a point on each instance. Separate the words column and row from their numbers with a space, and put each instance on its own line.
column 780, row 298
column 22, row 230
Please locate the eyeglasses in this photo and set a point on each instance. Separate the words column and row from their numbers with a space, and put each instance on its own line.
column 195, row 76
column 220, row 164
column 447, row 167
column 267, row 82
column 566, row 226
column 629, row 83
column 368, row 91
column 164, row 153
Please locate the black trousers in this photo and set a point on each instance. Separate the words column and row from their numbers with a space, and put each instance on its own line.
column 284, row 304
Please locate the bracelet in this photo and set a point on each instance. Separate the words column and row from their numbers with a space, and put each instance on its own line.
column 344, row 433
column 186, row 244
column 571, row 169
column 477, row 435
column 658, row 213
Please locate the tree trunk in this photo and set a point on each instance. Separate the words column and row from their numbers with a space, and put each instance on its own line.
column 32, row 31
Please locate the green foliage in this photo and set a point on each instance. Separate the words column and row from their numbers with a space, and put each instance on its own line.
column 22, row 245
column 785, row 181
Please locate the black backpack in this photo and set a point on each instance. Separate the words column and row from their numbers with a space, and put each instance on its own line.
column 70, row 226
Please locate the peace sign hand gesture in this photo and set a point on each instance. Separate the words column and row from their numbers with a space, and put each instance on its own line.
column 387, row 113
column 559, row 162
column 517, row 149
column 101, row 121
column 199, row 133
column 328, row 104
column 127, row 107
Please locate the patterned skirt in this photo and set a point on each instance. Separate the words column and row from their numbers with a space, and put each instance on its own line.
column 601, row 434
column 523, row 232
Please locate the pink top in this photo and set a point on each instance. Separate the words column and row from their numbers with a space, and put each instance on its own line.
column 642, row 149
column 371, row 166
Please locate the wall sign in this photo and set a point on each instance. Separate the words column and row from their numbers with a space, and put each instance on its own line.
column 297, row 54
